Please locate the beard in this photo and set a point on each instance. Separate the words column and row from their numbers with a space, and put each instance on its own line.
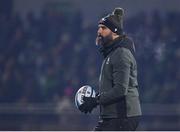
column 100, row 40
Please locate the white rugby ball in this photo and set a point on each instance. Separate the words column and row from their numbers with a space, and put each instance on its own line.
column 86, row 91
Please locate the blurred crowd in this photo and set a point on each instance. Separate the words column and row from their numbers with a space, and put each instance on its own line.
column 157, row 41
column 47, row 57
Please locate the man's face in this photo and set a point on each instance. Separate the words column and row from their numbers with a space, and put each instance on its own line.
column 104, row 35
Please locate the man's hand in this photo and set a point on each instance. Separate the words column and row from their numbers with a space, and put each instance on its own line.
column 89, row 104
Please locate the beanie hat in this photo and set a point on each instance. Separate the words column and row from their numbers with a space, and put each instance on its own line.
column 114, row 21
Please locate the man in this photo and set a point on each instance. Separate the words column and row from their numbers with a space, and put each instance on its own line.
column 118, row 87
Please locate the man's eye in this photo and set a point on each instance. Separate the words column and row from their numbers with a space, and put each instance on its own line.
column 103, row 27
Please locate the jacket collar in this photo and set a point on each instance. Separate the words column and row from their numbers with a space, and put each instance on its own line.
column 108, row 48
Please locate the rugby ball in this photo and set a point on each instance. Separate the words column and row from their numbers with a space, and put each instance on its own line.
column 86, row 91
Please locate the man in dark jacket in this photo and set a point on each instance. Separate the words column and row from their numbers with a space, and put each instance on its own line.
column 118, row 87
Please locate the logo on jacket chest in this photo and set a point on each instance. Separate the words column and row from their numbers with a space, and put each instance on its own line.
column 107, row 61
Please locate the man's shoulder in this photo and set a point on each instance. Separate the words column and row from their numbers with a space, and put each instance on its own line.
column 121, row 53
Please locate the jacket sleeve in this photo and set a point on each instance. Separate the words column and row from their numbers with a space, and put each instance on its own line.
column 121, row 62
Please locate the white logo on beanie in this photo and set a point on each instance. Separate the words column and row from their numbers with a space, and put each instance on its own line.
column 103, row 19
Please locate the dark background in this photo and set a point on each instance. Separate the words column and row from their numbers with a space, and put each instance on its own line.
column 48, row 51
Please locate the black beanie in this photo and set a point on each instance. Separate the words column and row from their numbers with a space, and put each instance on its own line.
column 114, row 21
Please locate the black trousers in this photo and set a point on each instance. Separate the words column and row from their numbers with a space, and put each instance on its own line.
column 118, row 124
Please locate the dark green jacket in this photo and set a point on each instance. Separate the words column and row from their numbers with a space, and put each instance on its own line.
column 118, row 86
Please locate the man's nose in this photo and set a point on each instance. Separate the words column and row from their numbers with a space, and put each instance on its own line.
column 99, row 31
